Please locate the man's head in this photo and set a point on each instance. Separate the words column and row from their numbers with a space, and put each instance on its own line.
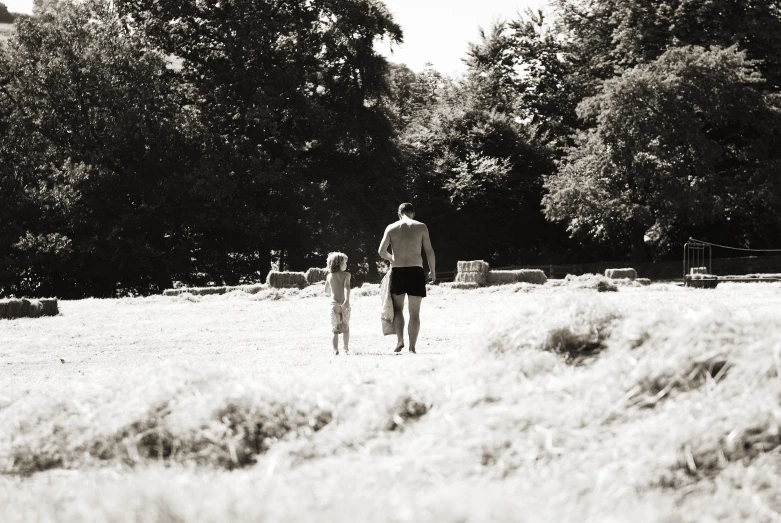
column 406, row 209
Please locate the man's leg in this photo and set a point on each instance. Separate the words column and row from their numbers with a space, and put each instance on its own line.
column 414, row 320
column 398, row 319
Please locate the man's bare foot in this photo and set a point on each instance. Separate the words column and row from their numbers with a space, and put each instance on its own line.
column 399, row 347
column 412, row 350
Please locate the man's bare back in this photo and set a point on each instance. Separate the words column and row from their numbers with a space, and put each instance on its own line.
column 406, row 238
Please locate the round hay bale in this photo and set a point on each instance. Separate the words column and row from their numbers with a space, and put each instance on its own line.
column 315, row 275
column 621, row 273
column 472, row 266
column 286, row 279
column 480, row 278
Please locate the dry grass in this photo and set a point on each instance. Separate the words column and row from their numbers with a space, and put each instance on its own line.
column 226, row 409
column 459, row 285
column 595, row 282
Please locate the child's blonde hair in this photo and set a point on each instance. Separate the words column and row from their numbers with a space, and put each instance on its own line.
column 335, row 260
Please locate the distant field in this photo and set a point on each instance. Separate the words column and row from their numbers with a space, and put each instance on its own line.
column 525, row 403
column 6, row 30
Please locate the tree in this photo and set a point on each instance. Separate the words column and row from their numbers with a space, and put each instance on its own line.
column 6, row 17
column 295, row 92
column 686, row 140
column 96, row 157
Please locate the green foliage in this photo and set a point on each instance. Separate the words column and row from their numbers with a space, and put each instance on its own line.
column 94, row 139
column 293, row 93
column 6, row 17
column 666, row 151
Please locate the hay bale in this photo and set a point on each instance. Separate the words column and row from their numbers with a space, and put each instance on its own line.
column 173, row 292
column 206, row 291
column 480, row 278
column 50, row 306
column 502, row 277
column 472, row 266
column 14, row 309
column 643, row 281
column 25, row 308
column 315, row 275
column 534, row 276
column 615, row 274
column 459, row 285
column 698, row 270
column 286, row 279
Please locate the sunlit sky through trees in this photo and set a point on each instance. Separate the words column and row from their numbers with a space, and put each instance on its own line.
column 435, row 31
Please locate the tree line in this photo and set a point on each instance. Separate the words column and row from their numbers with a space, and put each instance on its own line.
column 144, row 143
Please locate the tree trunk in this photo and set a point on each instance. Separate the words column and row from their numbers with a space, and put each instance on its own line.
column 640, row 252
column 264, row 264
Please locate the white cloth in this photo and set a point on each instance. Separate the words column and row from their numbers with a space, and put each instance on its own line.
column 386, row 312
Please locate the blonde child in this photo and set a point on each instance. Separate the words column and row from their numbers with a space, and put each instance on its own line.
column 338, row 282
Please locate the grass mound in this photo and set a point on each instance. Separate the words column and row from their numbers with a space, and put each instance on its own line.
column 709, row 453
column 682, row 352
column 205, row 421
column 582, row 333
column 577, row 332
column 408, row 407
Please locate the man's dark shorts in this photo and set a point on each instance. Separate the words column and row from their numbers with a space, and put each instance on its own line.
column 408, row 280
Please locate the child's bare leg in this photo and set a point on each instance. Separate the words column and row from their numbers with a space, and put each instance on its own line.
column 398, row 319
column 347, row 342
column 336, row 344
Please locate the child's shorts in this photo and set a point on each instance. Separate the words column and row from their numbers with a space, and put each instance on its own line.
column 340, row 318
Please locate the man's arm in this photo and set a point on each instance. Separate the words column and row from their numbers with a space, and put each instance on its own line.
column 430, row 256
column 383, row 250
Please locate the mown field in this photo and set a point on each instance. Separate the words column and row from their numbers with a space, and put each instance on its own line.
column 6, row 30
column 525, row 403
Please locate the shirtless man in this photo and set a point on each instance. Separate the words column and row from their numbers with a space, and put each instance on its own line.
column 405, row 238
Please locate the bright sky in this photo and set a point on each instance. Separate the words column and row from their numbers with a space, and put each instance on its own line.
column 19, row 6
column 435, row 31
column 438, row 31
